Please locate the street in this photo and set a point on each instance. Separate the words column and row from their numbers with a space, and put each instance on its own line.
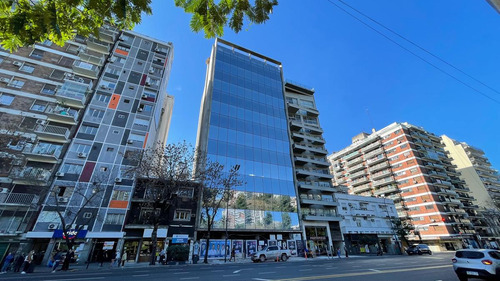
column 408, row 268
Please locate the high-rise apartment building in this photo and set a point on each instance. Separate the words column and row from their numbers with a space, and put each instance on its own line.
column 318, row 207
column 243, row 122
column 484, row 184
column 89, row 105
column 409, row 165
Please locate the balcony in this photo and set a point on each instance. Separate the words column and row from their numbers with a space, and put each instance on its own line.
column 73, row 92
column 359, row 181
column 435, row 165
column 313, row 129
column 86, row 69
column 388, row 189
column 357, row 175
column 375, row 160
column 442, row 183
column 356, row 168
column 384, row 181
column 314, row 173
column 361, row 188
column 380, row 174
column 318, row 186
column 374, row 153
column 96, row 45
column 313, row 139
column 18, row 199
column 318, row 201
column 378, row 167
column 371, row 146
column 295, row 125
column 355, row 161
column 320, row 217
column 42, row 152
column 301, row 160
column 52, row 133
column 61, row 114
column 362, row 212
column 437, row 174
column 292, row 107
column 351, row 155
column 30, row 175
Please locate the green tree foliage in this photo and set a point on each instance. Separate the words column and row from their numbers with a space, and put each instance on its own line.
column 25, row 22
column 287, row 220
column 241, row 202
column 268, row 219
column 211, row 17
column 402, row 228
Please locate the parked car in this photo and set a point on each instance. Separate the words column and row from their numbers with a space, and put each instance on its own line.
column 477, row 263
column 418, row 250
column 270, row 253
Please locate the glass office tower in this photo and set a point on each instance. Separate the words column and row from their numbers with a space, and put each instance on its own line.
column 243, row 122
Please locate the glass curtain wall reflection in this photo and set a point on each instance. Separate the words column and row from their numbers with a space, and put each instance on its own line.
column 248, row 127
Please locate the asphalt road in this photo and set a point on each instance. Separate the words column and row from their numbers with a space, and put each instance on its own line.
column 407, row 268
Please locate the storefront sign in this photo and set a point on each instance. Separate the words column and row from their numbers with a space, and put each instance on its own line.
column 180, row 238
column 72, row 234
column 318, row 238
column 108, row 245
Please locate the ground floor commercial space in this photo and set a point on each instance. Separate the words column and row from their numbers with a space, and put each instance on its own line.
column 372, row 243
column 447, row 243
column 323, row 238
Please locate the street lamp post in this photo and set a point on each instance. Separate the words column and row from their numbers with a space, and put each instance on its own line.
column 236, row 168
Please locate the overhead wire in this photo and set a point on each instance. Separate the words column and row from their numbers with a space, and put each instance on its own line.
column 415, row 54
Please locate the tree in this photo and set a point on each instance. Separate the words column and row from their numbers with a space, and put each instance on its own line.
column 402, row 228
column 25, row 22
column 211, row 17
column 163, row 173
column 241, row 202
column 84, row 196
column 216, row 188
column 287, row 221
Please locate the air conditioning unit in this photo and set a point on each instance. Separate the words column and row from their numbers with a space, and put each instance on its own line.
column 68, row 75
column 62, row 200
column 81, row 80
column 148, row 81
column 112, row 59
column 118, row 179
column 53, row 226
column 4, row 80
column 144, row 96
column 139, row 109
column 41, row 122
column 4, row 190
column 157, row 49
column 130, row 141
column 104, row 87
column 82, row 155
column 59, row 174
column 17, row 63
column 151, row 70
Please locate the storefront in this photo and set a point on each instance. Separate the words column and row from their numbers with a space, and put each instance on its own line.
column 317, row 239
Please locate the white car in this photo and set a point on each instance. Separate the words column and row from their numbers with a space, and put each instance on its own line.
column 270, row 253
column 477, row 263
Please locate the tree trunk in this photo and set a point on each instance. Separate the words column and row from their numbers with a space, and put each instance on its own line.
column 154, row 239
column 205, row 259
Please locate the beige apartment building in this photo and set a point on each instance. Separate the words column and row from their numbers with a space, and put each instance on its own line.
column 484, row 184
column 409, row 165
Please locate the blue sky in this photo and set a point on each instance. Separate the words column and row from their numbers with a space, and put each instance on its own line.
column 362, row 80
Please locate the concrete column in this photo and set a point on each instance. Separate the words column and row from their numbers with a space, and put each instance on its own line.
column 48, row 251
column 330, row 240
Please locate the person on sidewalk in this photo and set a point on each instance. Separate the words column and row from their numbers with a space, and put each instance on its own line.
column 233, row 254
column 7, row 262
column 338, row 253
column 162, row 256
column 67, row 259
column 18, row 262
column 27, row 262
column 124, row 258
column 56, row 260
column 116, row 260
column 346, row 252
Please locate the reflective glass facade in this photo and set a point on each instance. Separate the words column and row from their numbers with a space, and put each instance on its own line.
column 248, row 127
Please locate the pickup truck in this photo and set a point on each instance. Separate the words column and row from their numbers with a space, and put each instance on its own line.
column 270, row 253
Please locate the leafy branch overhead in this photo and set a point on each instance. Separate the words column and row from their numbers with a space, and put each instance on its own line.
column 25, row 22
column 211, row 17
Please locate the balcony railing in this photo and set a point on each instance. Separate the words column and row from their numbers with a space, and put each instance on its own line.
column 43, row 152
column 62, row 114
column 361, row 188
column 384, row 181
column 371, row 146
column 30, row 174
column 314, row 185
column 351, row 155
column 374, row 153
column 19, row 199
column 52, row 133
column 358, row 174
column 376, row 159
column 356, row 168
column 85, row 69
column 386, row 190
column 73, row 92
column 378, row 166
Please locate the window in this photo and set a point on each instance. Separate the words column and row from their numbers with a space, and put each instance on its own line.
column 145, row 108
column 114, row 219
column 96, row 113
column 28, row 68
column 103, row 169
column 401, row 173
column 103, row 98
column 113, row 71
column 142, row 123
column 182, row 215
column 120, row 195
column 57, row 74
column 404, row 145
column 91, row 130
column 185, row 192
column 73, row 49
column 123, row 48
column 429, row 207
column 71, row 169
column 78, row 147
column 47, row 43
column 413, row 170
column 64, row 61
column 39, row 106
column 87, row 215
column 49, row 89
column 6, row 99
column 37, row 54
column 110, row 149
column 16, row 83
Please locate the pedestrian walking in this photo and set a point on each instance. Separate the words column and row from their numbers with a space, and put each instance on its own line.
column 233, row 254
column 18, row 262
column 56, row 260
column 338, row 253
column 162, row 256
column 116, row 260
column 124, row 258
column 67, row 259
column 346, row 252
column 8, row 260
column 28, row 260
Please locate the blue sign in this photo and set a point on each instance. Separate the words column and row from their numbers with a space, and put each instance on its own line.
column 180, row 238
column 72, row 234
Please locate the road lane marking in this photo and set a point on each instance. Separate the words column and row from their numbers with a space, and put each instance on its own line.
column 362, row 273
column 270, row 272
column 237, row 271
column 376, row 270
